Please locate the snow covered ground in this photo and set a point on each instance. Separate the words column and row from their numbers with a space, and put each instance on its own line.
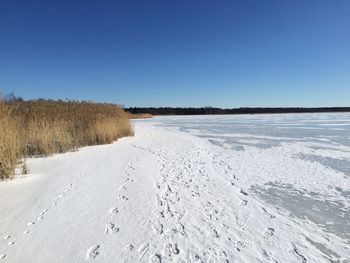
column 252, row 188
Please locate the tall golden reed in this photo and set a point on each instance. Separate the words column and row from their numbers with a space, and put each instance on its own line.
column 44, row 127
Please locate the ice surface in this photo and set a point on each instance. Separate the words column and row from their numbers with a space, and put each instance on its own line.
column 331, row 216
column 312, row 188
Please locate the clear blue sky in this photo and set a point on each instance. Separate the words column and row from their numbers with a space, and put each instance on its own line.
column 178, row 53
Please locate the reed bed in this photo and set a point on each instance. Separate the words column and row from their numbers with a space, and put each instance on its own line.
column 44, row 127
column 140, row 116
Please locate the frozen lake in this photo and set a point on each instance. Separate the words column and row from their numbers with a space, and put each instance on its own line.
column 297, row 163
column 266, row 130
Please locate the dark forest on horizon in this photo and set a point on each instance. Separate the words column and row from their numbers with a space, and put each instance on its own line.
column 243, row 110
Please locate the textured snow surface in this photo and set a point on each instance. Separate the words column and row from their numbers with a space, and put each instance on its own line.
column 252, row 188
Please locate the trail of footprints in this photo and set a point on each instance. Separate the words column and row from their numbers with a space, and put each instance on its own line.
column 189, row 179
column 111, row 227
column 167, row 198
column 41, row 215
column 168, row 224
column 170, row 249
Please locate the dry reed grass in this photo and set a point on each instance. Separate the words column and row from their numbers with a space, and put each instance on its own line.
column 44, row 127
column 140, row 116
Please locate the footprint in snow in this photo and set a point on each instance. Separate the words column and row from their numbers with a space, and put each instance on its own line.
column 123, row 197
column 170, row 249
column 142, row 250
column 244, row 202
column 40, row 218
column 114, row 210
column 26, row 232
column 158, row 228
column 111, row 228
column 301, row 257
column 31, row 223
column 60, row 196
column 54, row 204
column 43, row 212
column 240, row 245
column 181, row 230
column 243, row 192
column 216, row 233
column 267, row 213
column 154, row 259
column 269, row 232
column 11, row 243
column 122, row 187
column 2, row 256
column 92, row 252
column 7, row 237
column 129, row 247
column 131, row 167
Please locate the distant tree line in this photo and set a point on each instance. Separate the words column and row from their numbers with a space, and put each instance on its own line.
column 246, row 110
column 9, row 97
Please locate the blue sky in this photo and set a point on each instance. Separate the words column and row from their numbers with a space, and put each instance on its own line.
column 178, row 53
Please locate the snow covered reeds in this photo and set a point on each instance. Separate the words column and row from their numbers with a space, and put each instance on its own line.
column 44, row 127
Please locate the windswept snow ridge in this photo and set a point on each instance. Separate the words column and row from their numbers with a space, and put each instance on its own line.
column 267, row 188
